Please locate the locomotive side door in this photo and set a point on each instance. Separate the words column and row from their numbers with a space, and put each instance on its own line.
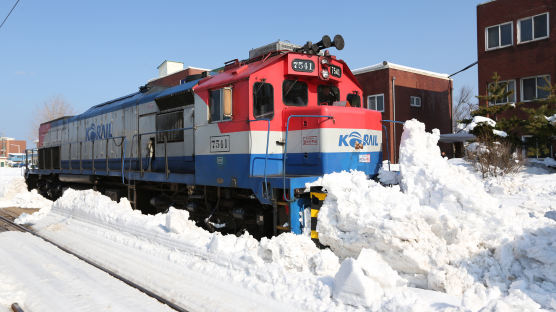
column 217, row 158
column 147, row 141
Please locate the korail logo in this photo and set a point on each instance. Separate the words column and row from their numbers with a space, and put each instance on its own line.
column 355, row 138
column 98, row 132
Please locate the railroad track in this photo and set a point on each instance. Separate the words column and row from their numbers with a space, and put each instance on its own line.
column 10, row 214
column 7, row 224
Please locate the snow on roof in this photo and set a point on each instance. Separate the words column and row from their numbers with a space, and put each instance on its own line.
column 386, row 64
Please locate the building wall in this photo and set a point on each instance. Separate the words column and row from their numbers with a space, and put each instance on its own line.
column 11, row 146
column 518, row 60
column 436, row 102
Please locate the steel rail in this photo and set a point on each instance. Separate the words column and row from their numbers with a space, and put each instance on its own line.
column 105, row 270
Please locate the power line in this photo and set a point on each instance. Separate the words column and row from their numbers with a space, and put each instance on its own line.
column 466, row 68
column 5, row 19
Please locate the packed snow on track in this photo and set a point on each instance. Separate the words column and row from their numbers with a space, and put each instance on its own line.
column 442, row 240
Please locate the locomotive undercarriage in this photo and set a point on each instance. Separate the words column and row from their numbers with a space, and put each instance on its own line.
column 227, row 210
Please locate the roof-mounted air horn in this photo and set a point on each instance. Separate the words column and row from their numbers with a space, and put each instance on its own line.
column 325, row 43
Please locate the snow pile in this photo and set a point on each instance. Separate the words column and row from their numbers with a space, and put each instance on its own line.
column 444, row 231
column 14, row 193
column 364, row 281
column 552, row 120
column 389, row 174
column 289, row 251
column 475, row 122
column 478, row 120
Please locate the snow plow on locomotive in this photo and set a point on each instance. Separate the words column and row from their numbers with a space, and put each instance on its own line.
column 235, row 147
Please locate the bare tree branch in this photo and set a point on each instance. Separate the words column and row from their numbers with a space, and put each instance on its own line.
column 464, row 105
column 52, row 108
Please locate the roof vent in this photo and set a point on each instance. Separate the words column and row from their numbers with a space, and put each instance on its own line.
column 271, row 47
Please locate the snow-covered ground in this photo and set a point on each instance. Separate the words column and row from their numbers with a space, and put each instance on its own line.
column 442, row 240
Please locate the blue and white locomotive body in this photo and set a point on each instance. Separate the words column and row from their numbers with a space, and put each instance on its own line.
column 235, row 149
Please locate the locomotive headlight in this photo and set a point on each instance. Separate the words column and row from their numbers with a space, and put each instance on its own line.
column 324, row 61
column 324, row 74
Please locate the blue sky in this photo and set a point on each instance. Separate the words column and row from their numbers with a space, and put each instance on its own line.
column 93, row 51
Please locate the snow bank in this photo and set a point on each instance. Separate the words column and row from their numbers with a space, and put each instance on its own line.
column 389, row 174
column 442, row 230
column 289, row 251
column 14, row 193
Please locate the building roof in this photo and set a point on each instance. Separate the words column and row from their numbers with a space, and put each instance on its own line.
column 488, row 1
column 385, row 65
column 165, row 61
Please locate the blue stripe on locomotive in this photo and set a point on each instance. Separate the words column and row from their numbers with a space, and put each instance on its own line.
column 208, row 168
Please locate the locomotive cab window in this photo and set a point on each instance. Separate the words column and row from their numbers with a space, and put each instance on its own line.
column 354, row 99
column 263, row 100
column 220, row 104
column 327, row 95
column 294, row 93
column 169, row 121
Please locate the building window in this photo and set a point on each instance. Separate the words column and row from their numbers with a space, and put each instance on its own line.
column 263, row 100
column 533, row 28
column 509, row 86
column 415, row 101
column 220, row 104
column 499, row 36
column 294, row 93
column 533, row 88
column 376, row 102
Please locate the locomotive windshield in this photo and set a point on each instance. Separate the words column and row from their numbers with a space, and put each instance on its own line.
column 294, row 93
column 327, row 94
column 263, row 100
column 354, row 99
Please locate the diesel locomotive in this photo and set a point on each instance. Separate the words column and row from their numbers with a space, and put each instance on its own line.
column 235, row 147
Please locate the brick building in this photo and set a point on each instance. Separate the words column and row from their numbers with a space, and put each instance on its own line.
column 515, row 38
column 10, row 146
column 402, row 93
column 172, row 73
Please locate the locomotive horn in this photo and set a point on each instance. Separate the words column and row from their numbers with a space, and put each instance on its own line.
column 324, row 43
column 338, row 42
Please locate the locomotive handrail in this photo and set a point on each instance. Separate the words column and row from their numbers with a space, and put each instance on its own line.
column 266, row 193
column 140, row 158
column 286, row 147
column 70, row 166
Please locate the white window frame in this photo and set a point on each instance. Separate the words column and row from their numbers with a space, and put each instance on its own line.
column 533, row 28
column 413, row 99
column 222, row 117
column 513, row 95
column 536, row 87
column 500, row 46
column 376, row 96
